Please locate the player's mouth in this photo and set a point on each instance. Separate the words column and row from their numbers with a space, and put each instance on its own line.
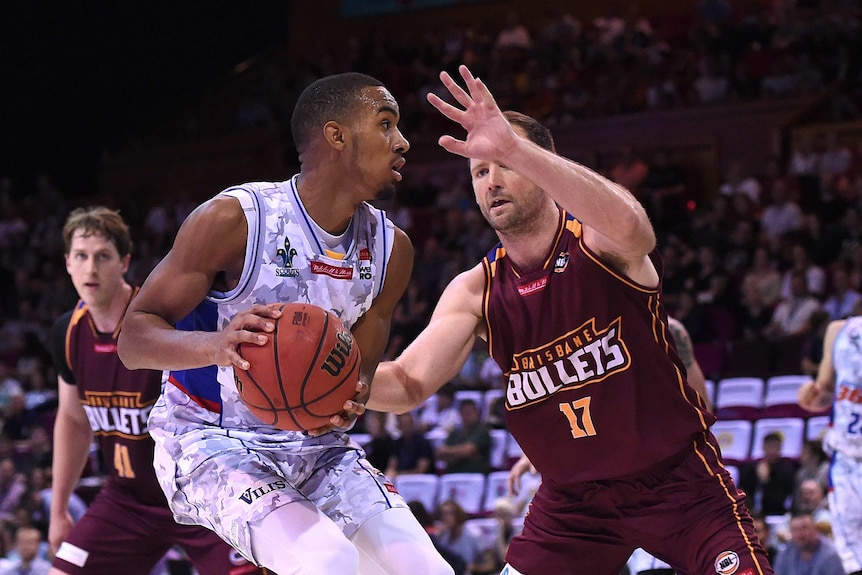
column 396, row 168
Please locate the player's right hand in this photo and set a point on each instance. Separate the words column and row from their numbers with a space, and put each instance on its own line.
column 58, row 529
column 814, row 398
column 244, row 328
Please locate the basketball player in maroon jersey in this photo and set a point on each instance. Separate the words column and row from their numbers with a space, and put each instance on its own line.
column 570, row 303
column 128, row 527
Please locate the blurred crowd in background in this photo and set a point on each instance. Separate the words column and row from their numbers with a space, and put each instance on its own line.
column 754, row 269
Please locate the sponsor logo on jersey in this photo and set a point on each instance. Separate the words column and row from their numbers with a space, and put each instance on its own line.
column 533, row 286
column 583, row 356
column 284, row 258
column 365, row 254
column 252, row 494
column 726, row 563
column 365, row 264
column 117, row 413
column 561, row 263
column 390, row 488
column 337, row 272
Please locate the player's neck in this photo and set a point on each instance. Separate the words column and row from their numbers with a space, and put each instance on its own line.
column 528, row 248
column 107, row 317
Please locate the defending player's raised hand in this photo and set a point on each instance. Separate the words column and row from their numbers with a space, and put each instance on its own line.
column 489, row 135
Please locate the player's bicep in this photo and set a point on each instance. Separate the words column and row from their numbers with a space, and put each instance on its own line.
column 210, row 243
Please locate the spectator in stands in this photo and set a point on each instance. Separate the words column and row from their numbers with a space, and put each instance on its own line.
column 769, row 481
column 459, row 565
column 629, row 170
column 842, row 298
column 812, row 346
column 812, row 499
column 782, row 215
column 808, row 552
column 834, row 162
column 467, row 449
column 792, row 317
column 737, row 182
column 763, row 278
column 803, row 165
column 27, row 562
column 411, row 452
column 505, row 513
column 380, row 448
column 663, row 192
column 455, row 536
column 441, row 415
column 12, row 488
column 764, row 534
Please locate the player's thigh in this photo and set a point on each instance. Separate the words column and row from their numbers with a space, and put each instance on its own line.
column 349, row 490
column 112, row 538
column 565, row 535
column 386, row 540
column 701, row 524
column 297, row 539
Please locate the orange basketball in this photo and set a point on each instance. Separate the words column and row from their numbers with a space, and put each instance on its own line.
column 305, row 372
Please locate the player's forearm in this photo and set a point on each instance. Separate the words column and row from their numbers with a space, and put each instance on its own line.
column 72, row 441
column 595, row 200
column 391, row 390
column 149, row 342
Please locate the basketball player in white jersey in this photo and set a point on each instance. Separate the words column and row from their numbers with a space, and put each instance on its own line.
column 293, row 502
column 839, row 385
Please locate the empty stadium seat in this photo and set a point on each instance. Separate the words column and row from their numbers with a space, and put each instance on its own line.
column 467, row 489
column 490, row 397
column 791, row 430
column 734, row 438
column 734, row 472
column 495, row 487
column 780, row 398
column 739, row 398
column 419, row 487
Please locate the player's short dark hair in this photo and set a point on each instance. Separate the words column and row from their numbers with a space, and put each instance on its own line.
column 98, row 220
column 535, row 131
column 326, row 99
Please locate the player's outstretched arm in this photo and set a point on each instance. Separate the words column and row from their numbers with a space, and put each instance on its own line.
column 437, row 354
column 209, row 245
column 817, row 395
column 615, row 223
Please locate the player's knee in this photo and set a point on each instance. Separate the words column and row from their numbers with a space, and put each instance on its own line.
column 338, row 556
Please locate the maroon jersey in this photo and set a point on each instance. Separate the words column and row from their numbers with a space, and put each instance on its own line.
column 117, row 401
column 595, row 389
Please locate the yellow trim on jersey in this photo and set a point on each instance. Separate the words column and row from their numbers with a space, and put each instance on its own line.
column 334, row 255
column 734, row 504
column 79, row 312
column 490, row 269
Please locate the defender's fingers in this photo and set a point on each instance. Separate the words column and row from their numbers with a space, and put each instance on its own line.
column 457, row 91
column 445, row 108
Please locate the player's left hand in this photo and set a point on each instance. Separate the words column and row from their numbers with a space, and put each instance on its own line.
column 490, row 136
column 353, row 408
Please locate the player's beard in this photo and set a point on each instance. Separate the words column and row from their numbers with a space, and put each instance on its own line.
column 386, row 193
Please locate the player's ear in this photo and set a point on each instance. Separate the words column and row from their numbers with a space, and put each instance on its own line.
column 334, row 133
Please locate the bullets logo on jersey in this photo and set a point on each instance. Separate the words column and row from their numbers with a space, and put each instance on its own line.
column 583, row 356
column 117, row 413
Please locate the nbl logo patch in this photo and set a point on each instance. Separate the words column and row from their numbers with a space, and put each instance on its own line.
column 726, row 563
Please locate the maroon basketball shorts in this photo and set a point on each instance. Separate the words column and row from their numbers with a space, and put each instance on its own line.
column 120, row 535
column 685, row 511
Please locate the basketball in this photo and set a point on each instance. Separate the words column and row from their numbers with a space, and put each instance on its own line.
column 305, row 372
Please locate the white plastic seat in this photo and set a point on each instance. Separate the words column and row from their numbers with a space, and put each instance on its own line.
column 467, row 489
column 781, row 396
column 734, row 438
column 419, row 487
column 499, row 442
column 495, row 487
column 791, row 430
column 477, row 396
column 739, row 398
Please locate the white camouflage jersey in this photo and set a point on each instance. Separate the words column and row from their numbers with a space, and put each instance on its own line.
column 845, row 433
column 285, row 261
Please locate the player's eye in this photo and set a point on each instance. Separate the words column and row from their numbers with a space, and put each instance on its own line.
column 386, row 124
